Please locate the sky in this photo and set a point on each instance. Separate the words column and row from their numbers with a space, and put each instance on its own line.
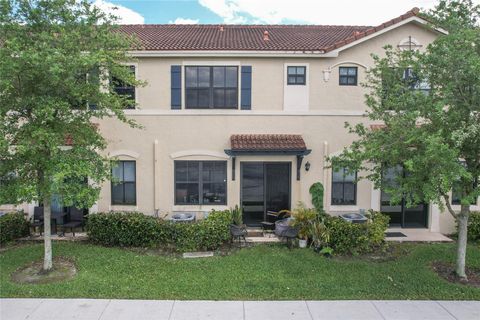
column 333, row 12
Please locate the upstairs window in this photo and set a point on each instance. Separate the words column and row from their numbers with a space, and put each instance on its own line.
column 296, row 76
column 348, row 76
column 344, row 187
column 200, row 182
column 211, row 87
column 124, row 184
column 125, row 89
column 414, row 82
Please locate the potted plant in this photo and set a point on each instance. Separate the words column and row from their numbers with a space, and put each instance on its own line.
column 302, row 219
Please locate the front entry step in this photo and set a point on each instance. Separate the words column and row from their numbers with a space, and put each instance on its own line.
column 254, row 232
column 256, row 235
column 272, row 239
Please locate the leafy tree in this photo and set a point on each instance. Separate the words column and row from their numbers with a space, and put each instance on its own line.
column 433, row 134
column 57, row 58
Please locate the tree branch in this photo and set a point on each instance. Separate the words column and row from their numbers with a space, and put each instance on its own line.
column 449, row 207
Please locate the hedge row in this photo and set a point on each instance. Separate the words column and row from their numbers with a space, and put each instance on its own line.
column 356, row 238
column 134, row 229
column 12, row 226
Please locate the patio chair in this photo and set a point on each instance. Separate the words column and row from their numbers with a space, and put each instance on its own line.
column 75, row 220
column 37, row 220
column 238, row 233
column 272, row 217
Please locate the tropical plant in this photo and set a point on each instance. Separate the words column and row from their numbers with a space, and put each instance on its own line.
column 302, row 219
column 237, row 216
column 319, row 233
column 316, row 191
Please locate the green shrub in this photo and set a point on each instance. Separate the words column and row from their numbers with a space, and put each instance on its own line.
column 474, row 226
column 134, row 229
column 12, row 226
column 124, row 229
column 356, row 238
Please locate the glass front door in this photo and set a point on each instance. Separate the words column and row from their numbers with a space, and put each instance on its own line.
column 401, row 215
column 265, row 186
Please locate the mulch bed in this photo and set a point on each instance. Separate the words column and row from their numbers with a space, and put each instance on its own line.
column 447, row 272
column 63, row 269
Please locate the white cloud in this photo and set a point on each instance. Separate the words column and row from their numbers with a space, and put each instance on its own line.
column 124, row 14
column 229, row 11
column 350, row 12
column 184, row 21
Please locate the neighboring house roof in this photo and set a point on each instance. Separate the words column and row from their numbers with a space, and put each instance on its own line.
column 316, row 38
column 267, row 142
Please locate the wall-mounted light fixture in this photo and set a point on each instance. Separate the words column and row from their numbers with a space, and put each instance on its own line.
column 307, row 166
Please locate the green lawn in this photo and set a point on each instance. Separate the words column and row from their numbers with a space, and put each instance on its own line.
column 262, row 272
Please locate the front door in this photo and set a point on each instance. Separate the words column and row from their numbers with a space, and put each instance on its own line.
column 265, row 186
column 401, row 215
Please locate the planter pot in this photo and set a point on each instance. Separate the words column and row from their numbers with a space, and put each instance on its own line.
column 302, row 243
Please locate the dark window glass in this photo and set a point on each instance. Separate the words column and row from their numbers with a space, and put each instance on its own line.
column 211, row 87
column 125, row 89
column 201, row 182
column 124, row 186
column 413, row 82
column 348, row 76
column 344, row 187
column 296, row 75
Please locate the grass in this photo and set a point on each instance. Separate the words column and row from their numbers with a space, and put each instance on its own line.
column 258, row 273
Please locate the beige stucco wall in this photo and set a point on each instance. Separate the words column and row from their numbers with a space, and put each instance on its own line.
column 192, row 137
column 268, row 83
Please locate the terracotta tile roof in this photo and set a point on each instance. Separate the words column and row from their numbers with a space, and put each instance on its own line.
column 267, row 142
column 252, row 37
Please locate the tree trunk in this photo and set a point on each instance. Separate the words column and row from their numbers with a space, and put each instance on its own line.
column 462, row 220
column 47, row 235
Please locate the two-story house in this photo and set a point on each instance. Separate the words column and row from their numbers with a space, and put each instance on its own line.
column 246, row 114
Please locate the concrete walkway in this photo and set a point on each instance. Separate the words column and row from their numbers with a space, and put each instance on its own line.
column 102, row 309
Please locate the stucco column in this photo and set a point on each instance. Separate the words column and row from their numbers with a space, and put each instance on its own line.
column 375, row 198
column 434, row 218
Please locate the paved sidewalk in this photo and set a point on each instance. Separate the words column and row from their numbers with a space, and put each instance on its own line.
column 102, row 309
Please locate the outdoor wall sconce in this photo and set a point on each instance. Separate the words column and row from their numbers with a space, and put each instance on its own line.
column 307, row 166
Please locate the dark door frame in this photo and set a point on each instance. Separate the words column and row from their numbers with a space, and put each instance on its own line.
column 264, row 163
